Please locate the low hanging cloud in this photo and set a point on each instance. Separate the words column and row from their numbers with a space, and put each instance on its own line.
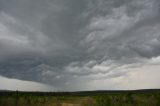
column 14, row 84
column 73, row 44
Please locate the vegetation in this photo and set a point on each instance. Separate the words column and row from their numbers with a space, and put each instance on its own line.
column 92, row 98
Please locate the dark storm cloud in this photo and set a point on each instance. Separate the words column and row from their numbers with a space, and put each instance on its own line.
column 62, row 42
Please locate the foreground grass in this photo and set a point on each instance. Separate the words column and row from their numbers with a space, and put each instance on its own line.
column 95, row 98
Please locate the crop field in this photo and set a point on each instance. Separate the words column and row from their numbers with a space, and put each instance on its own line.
column 87, row 98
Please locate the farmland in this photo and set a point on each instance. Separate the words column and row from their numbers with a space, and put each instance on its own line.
column 85, row 98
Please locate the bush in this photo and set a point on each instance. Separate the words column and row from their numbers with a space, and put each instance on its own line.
column 103, row 101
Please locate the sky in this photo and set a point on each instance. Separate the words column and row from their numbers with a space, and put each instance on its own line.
column 76, row 45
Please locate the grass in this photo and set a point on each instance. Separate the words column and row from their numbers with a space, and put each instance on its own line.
column 92, row 98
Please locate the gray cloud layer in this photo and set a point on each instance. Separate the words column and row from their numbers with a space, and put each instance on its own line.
column 58, row 42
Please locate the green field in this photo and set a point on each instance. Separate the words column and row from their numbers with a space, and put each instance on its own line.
column 88, row 98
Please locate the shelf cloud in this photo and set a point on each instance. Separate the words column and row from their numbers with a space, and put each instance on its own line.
column 77, row 44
